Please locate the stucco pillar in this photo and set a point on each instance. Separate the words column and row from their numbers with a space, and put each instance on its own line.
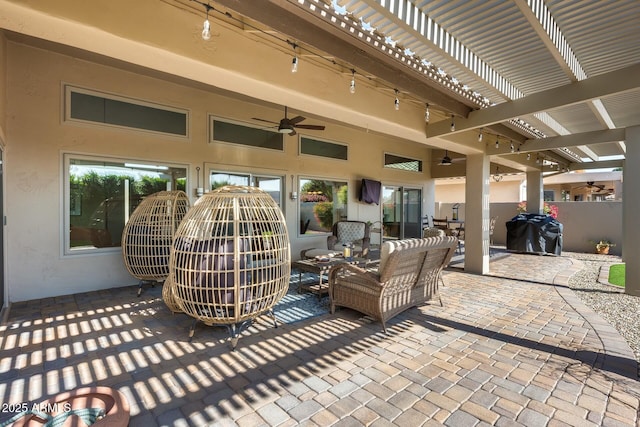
column 630, row 209
column 476, row 220
column 535, row 192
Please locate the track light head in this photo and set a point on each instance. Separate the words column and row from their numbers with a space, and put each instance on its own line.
column 206, row 29
column 352, row 85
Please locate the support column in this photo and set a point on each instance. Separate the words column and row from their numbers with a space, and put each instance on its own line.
column 630, row 209
column 476, row 221
column 535, row 192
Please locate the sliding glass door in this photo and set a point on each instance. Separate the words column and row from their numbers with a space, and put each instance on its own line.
column 401, row 212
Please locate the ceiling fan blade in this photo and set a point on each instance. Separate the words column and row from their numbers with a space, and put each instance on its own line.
column 263, row 120
column 313, row 127
column 296, row 119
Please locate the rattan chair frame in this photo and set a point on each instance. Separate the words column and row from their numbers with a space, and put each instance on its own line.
column 148, row 235
column 231, row 259
column 409, row 276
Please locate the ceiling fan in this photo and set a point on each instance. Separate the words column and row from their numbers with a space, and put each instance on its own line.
column 593, row 187
column 448, row 161
column 289, row 126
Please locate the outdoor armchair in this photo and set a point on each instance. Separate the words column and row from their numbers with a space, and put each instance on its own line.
column 408, row 275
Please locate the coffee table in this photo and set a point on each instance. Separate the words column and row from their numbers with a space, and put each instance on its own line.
column 312, row 265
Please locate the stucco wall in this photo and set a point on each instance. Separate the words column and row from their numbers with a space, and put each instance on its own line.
column 450, row 191
column 38, row 137
column 583, row 222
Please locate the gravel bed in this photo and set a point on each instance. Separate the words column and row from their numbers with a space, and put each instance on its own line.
column 622, row 311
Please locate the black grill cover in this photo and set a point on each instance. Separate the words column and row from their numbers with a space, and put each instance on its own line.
column 534, row 233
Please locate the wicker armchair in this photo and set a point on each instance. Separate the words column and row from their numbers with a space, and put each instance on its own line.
column 354, row 232
column 408, row 275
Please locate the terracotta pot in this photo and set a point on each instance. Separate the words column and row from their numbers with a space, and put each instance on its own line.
column 603, row 250
column 112, row 401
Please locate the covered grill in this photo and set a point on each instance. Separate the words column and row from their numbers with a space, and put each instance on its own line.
column 534, row 233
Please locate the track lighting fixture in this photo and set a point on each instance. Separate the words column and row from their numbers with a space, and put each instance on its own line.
column 396, row 103
column 453, row 124
column 294, row 61
column 497, row 143
column 352, row 86
column 537, row 159
column 528, row 156
column 512, row 148
column 480, row 136
column 497, row 177
column 427, row 115
column 206, row 30
column 206, row 27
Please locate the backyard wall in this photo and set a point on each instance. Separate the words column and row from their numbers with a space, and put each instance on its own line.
column 583, row 223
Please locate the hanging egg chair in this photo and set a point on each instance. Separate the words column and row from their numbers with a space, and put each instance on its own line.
column 230, row 260
column 148, row 234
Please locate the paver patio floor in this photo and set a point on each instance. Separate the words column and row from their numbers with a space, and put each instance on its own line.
column 512, row 348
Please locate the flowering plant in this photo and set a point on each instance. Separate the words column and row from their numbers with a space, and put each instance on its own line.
column 547, row 209
column 604, row 244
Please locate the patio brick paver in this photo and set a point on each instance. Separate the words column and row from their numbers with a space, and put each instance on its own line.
column 515, row 347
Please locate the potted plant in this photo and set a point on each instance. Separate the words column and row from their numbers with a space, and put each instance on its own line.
column 602, row 246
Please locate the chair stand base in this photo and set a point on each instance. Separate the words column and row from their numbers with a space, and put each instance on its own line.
column 142, row 282
column 234, row 329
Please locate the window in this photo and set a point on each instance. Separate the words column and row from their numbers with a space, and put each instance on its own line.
column 315, row 147
column 322, row 203
column 222, row 131
column 404, row 163
column 100, row 194
column 94, row 107
column 270, row 184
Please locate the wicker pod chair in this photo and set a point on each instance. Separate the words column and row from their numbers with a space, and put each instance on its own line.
column 230, row 261
column 168, row 296
column 148, row 235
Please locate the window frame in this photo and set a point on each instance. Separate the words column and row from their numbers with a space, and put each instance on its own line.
column 326, row 141
column 385, row 166
column 213, row 118
column 251, row 174
column 69, row 88
column 299, row 202
column 66, row 157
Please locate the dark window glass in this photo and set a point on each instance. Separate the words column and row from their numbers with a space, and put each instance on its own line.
column 243, row 135
column 120, row 113
column 323, row 148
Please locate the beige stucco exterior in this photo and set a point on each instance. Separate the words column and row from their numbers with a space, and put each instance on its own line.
column 38, row 137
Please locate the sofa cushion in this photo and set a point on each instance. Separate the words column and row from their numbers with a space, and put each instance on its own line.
column 350, row 232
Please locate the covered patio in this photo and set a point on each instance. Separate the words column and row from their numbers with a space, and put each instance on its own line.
column 516, row 347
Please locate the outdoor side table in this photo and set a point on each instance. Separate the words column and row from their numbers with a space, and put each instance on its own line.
column 312, row 265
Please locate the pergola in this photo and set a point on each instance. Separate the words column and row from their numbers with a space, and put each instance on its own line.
column 536, row 86
column 533, row 86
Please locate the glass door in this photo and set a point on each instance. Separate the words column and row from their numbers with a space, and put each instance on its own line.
column 412, row 212
column 401, row 212
column 391, row 213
